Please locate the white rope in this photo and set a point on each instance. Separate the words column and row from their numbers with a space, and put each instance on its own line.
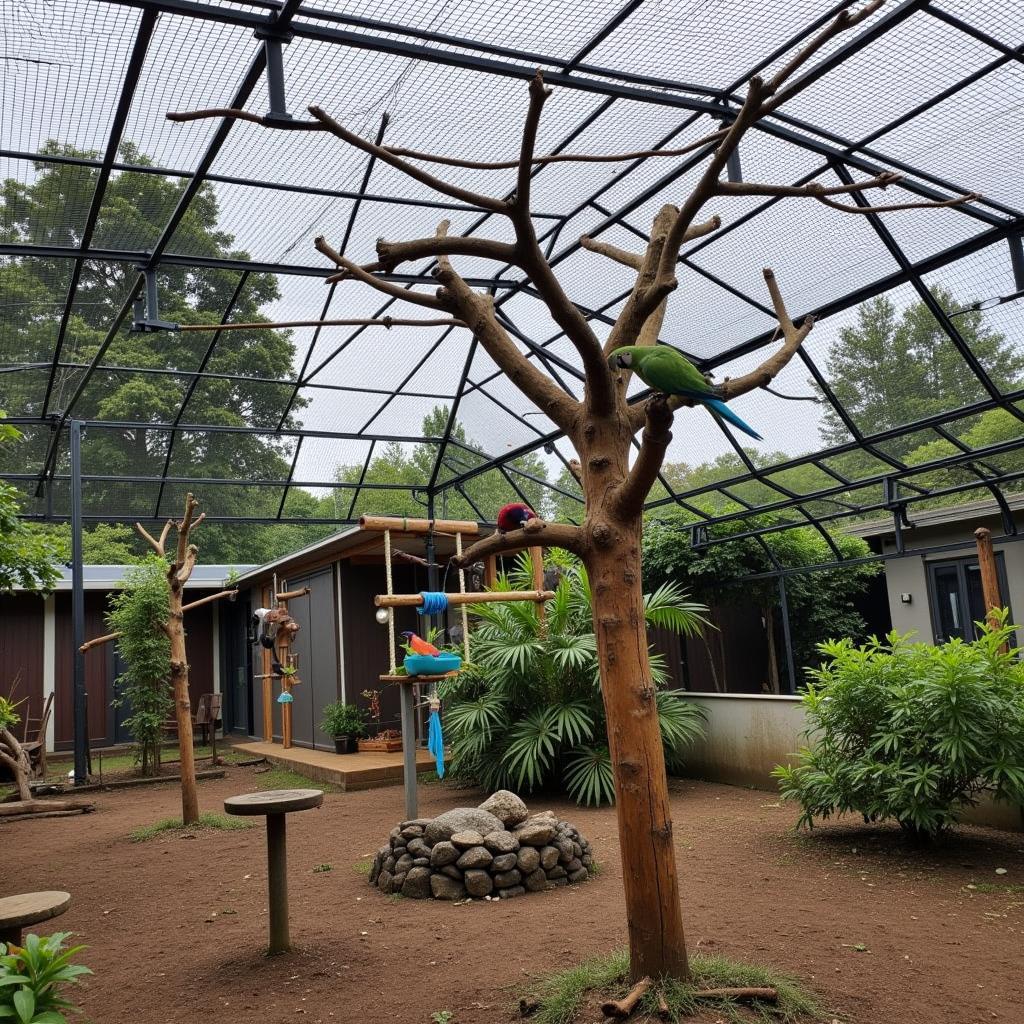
column 391, row 611
column 462, row 590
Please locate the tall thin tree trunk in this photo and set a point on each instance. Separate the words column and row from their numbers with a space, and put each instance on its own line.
column 773, row 658
column 656, row 941
column 182, row 706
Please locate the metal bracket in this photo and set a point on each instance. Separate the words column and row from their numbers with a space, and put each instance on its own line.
column 698, row 536
column 273, row 40
column 147, row 308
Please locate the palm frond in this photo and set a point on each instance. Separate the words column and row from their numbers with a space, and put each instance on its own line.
column 669, row 607
column 589, row 778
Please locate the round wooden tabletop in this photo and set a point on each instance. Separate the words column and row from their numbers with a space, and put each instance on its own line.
column 274, row 801
column 32, row 907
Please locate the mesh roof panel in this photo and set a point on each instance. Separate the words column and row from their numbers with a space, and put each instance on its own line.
column 231, row 210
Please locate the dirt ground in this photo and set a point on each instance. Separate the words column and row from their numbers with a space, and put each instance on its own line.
column 176, row 926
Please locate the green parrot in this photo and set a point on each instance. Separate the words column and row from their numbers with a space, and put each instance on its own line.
column 667, row 370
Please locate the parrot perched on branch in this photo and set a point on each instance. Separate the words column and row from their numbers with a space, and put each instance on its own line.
column 418, row 645
column 513, row 516
column 667, row 370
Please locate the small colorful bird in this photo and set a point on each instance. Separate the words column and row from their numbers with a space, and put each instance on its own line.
column 418, row 645
column 667, row 370
column 513, row 516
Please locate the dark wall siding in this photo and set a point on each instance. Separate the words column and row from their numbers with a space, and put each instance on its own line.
column 21, row 653
column 365, row 642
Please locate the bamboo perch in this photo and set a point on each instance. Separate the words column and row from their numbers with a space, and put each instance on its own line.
column 488, row 597
column 400, row 524
column 291, row 595
column 385, row 321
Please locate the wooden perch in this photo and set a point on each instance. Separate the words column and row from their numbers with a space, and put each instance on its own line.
column 622, row 1008
column 383, row 321
column 100, row 640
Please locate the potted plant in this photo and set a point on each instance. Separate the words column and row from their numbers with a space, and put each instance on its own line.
column 345, row 723
column 383, row 740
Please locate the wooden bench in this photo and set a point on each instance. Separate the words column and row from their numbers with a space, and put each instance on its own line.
column 17, row 912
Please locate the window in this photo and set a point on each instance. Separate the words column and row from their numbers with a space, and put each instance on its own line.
column 955, row 597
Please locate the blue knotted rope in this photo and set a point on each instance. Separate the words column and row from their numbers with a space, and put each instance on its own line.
column 432, row 602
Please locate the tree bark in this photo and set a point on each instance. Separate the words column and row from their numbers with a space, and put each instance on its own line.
column 656, row 941
column 773, row 657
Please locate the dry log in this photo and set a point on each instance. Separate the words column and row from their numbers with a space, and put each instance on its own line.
column 20, row 807
column 767, row 995
column 664, row 1013
column 622, row 1008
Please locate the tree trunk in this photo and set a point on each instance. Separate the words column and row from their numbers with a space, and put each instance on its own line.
column 182, row 706
column 773, row 658
column 17, row 762
column 656, row 942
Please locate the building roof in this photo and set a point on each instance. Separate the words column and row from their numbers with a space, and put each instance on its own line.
column 111, row 577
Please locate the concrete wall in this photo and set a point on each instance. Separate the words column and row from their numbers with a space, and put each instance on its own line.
column 747, row 735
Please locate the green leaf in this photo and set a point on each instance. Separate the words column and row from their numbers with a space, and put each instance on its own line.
column 25, row 1004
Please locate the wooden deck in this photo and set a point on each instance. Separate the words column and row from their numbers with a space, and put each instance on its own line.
column 348, row 771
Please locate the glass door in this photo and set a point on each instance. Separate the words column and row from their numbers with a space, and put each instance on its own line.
column 956, row 597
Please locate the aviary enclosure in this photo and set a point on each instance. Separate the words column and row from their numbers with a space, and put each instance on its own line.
column 667, row 249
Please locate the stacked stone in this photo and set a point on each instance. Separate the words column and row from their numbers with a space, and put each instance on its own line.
column 495, row 850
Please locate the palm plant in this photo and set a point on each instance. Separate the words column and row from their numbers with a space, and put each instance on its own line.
column 527, row 714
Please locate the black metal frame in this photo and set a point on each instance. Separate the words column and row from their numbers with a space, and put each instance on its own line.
column 274, row 22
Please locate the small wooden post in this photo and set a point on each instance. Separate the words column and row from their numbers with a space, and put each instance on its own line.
column 491, row 571
column 537, row 563
column 989, row 575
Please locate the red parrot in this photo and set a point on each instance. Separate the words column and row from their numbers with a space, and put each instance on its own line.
column 513, row 516
column 418, row 644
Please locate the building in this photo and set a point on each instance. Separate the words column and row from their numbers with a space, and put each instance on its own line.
column 931, row 566
column 37, row 651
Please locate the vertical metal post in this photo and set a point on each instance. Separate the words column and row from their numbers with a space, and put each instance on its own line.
column 408, row 748
column 78, row 610
column 786, row 636
column 275, row 79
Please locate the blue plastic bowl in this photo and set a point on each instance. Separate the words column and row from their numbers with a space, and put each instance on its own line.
column 431, row 664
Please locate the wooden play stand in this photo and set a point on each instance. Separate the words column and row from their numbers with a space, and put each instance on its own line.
column 18, row 912
column 407, row 684
column 287, row 627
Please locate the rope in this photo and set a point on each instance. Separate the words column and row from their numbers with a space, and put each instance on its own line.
column 391, row 611
column 462, row 590
column 432, row 602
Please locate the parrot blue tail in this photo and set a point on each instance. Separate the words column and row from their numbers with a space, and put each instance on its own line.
column 435, row 742
column 727, row 414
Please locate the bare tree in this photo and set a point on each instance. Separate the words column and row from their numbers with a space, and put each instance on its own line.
column 601, row 427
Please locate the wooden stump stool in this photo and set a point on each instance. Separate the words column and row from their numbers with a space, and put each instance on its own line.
column 275, row 804
column 17, row 912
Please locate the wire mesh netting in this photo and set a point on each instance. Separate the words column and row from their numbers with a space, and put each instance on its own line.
column 913, row 371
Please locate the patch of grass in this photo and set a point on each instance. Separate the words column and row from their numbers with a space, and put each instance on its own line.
column 209, row 820
column 285, row 778
column 1003, row 890
column 363, row 867
column 321, row 869
column 442, row 1017
column 562, row 995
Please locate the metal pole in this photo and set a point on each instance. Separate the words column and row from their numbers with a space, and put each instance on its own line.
column 409, row 749
column 786, row 637
column 78, row 609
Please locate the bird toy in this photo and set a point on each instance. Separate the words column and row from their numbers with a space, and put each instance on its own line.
column 667, row 370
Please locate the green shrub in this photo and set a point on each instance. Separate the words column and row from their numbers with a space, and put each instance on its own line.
column 32, row 976
column 341, row 719
column 911, row 732
column 528, row 715
column 139, row 613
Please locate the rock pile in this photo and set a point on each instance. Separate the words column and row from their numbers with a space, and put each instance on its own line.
column 497, row 849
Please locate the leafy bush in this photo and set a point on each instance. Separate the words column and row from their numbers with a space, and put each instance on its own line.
column 528, row 714
column 139, row 613
column 911, row 732
column 31, row 977
column 341, row 719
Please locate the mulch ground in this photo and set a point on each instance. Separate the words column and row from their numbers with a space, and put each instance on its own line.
column 176, row 926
